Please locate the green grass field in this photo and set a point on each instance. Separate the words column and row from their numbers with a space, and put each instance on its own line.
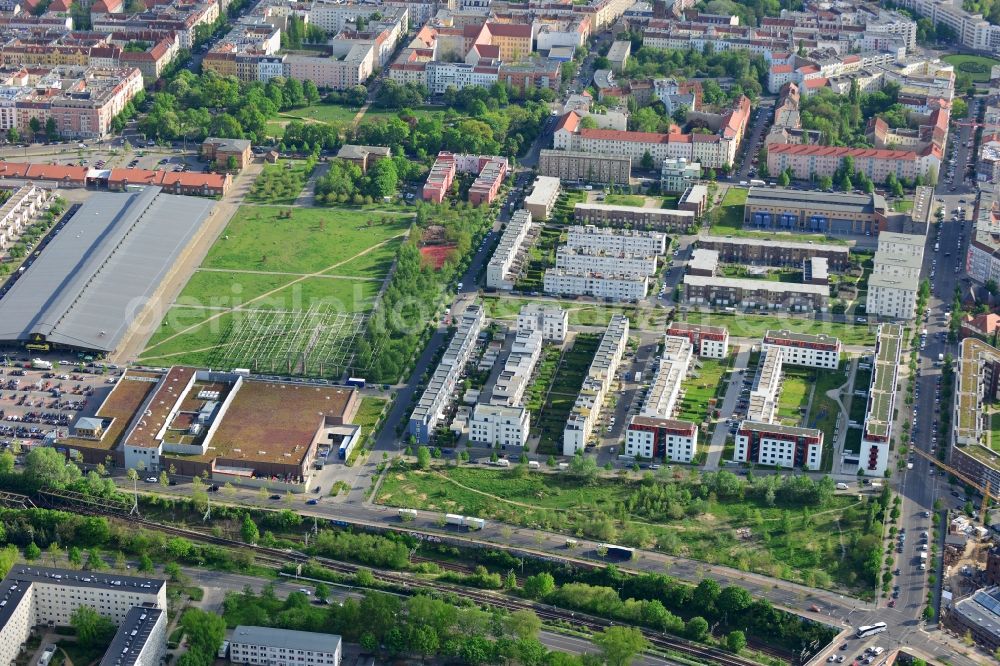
column 367, row 415
column 624, row 200
column 811, row 552
column 579, row 315
column 333, row 114
column 995, row 431
column 825, row 411
column 795, row 390
column 262, row 252
column 544, row 373
column 978, row 67
column 258, row 238
column 700, row 388
column 562, row 393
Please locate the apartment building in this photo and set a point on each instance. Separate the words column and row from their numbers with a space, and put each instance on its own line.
column 876, row 438
column 19, row 211
column 811, row 351
column 894, row 283
column 600, row 375
column 982, row 260
column 266, row 646
column 543, row 197
column 775, row 252
column 33, row 596
column 600, row 261
column 486, row 187
column 711, row 150
column 502, row 271
column 520, row 364
column 439, row 178
column 141, row 639
column 766, row 388
column 441, row 386
column 750, row 293
column 500, row 426
column 707, row 341
column 877, row 164
column 551, row 320
column 590, row 237
column 973, row 31
column 978, row 380
column 660, row 219
column 576, row 166
column 677, row 174
column 654, row 433
column 622, row 287
column 779, row 445
column 781, row 209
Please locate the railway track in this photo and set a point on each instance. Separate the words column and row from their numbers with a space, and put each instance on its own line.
column 279, row 558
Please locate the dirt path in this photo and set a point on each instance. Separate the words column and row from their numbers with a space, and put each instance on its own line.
column 360, row 114
column 241, row 271
column 267, row 294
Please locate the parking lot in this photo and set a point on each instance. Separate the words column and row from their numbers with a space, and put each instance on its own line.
column 34, row 402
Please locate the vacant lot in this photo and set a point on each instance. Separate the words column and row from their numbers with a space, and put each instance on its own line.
column 333, row 114
column 624, row 200
column 280, row 183
column 280, row 260
column 812, row 550
column 299, row 240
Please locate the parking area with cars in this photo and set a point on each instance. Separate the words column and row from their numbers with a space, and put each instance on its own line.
column 35, row 402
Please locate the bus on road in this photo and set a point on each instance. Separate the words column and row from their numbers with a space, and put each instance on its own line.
column 871, row 629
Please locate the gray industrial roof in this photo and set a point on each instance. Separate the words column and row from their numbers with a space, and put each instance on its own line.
column 97, row 273
column 829, row 201
column 982, row 609
column 285, row 638
column 131, row 638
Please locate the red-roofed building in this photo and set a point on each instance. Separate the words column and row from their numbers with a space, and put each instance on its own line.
column 983, row 326
column 513, row 40
column 107, row 7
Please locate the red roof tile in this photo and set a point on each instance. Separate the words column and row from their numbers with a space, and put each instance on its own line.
column 839, row 151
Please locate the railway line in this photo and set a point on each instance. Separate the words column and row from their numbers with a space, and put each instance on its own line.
column 279, row 558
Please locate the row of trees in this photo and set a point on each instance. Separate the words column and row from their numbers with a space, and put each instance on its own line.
column 345, row 182
column 427, row 627
column 398, row 325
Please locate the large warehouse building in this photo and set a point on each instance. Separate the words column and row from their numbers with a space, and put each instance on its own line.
column 838, row 213
column 96, row 275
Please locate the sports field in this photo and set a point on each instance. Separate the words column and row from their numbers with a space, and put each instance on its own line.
column 281, row 290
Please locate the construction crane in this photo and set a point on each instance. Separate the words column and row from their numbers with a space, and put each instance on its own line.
column 985, row 491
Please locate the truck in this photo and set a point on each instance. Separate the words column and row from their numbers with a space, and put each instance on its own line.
column 502, row 462
column 638, row 375
column 923, row 556
column 876, row 485
column 454, row 519
column 357, row 382
column 940, row 359
column 39, row 364
column 757, row 183
column 474, row 523
column 408, row 514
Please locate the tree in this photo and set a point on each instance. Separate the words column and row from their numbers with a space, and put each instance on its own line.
column 8, row 557
column 736, row 641
column 705, row 595
column 32, row 552
column 424, row 457
column 13, row 136
column 733, row 600
column 321, row 591
column 364, row 577
column 539, row 586
column 249, row 531
column 522, row 624
column 784, row 180
column 621, row 644
column 75, row 556
column 204, row 632
column 94, row 560
column 825, row 183
column 145, row 564
column 51, row 130
column 647, row 161
column 845, row 183
column 696, row 628
column 120, row 563
column 91, row 628
column 46, row 467
column 35, row 125
column 232, row 164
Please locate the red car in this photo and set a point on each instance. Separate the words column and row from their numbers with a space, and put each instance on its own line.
column 892, row 603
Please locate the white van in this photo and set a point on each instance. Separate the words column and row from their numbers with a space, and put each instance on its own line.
column 842, row 486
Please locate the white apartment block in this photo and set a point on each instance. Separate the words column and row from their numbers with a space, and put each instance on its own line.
column 499, row 425
column 19, row 211
column 600, row 261
column 778, row 445
column 590, row 237
column 441, row 386
column 812, row 351
column 661, row 400
column 543, row 197
column 513, row 379
column 895, row 279
column 602, row 371
column 500, row 273
column 677, row 174
column 708, row 341
column 766, row 389
column 264, row 646
column 876, row 438
column 973, row 30
column 141, row 639
column 32, row 596
column 613, row 286
column 551, row 320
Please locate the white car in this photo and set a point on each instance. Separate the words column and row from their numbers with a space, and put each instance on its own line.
column 151, row 479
